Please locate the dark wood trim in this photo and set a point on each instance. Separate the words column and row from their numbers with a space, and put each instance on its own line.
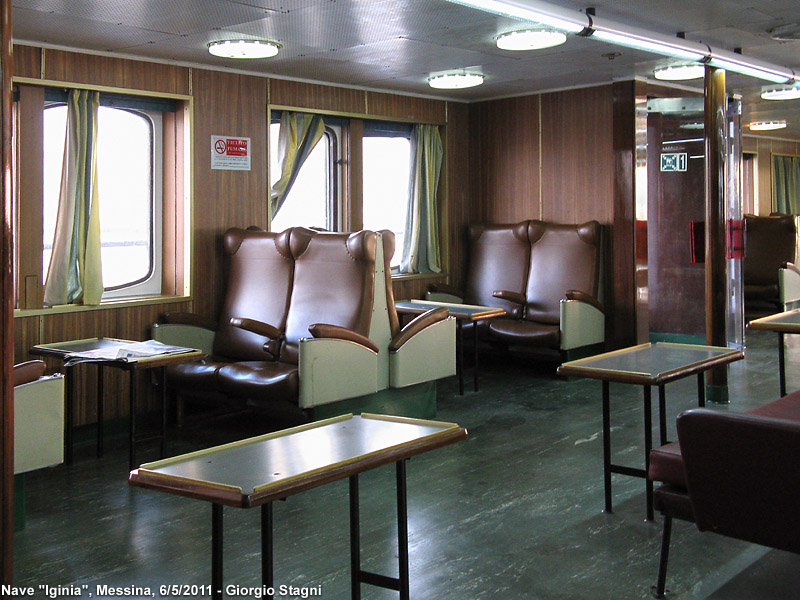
column 7, row 318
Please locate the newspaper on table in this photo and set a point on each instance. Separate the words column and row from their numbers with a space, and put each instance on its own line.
column 126, row 352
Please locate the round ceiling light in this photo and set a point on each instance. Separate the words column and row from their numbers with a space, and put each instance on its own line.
column 680, row 72
column 767, row 125
column 455, row 81
column 780, row 93
column 244, row 48
column 531, row 39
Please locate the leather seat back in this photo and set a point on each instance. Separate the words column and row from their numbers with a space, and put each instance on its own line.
column 260, row 273
column 563, row 257
column 769, row 241
column 498, row 260
column 334, row 278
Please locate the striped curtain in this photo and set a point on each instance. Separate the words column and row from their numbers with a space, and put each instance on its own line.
column 421, row 247
column 299, row 133
column 786, row 184
column 75, row 275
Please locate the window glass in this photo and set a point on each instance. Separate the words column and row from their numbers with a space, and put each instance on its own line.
column 387, row 167
column 129, row 224
column 312, row 199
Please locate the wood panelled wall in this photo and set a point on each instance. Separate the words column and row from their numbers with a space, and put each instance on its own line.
column 236, row 105
column 555, row 157
column 764, row 148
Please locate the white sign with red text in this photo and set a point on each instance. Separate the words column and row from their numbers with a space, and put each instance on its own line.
column 230, row 153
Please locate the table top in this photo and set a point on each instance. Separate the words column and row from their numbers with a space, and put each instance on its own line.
column 462, row 312
column 651, row 364
column 258, row 470
column 785, row 322
column 66, row 351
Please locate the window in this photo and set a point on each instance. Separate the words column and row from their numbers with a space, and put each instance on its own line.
column 143, row 145
column 313, row 200
column 128, row 194
column 387, row 171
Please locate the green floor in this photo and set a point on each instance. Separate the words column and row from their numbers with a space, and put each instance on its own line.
column 513, row 513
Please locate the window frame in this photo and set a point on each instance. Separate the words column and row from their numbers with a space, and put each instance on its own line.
column 175, row 238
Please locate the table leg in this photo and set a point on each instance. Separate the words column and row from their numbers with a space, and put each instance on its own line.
column 132, row 433
column 782, row 364
column 163, row 411
column 606, row 447
column 100, row 408
column 69, row 383
column 355, row 541
column 460, row 359
column 662, row 413
column 216, row 551
column 267, row 555
column 648, row 445
column 402, row 529
column 701, row 389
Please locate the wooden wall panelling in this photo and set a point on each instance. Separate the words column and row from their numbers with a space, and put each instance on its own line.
column 577, row 155
column 505, row 158
column 235, row 105
column 312, row 96
column 408, row 108
column 27, row 61
column 92, row 69
column 26, row 334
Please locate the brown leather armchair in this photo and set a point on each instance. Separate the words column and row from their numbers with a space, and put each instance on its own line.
column 733, row 474
column 547, row 278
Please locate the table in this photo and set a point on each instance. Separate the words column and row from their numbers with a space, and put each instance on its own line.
column 647, row 365
column 782, row 323
column 463, row 313
column 63, row 350
column 258, row 471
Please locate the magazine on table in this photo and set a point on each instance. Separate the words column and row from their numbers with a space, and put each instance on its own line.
column 127, row 352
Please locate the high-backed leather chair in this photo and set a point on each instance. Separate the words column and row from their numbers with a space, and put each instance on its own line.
column 769, row 244
column 547, row 278
column 260, row 275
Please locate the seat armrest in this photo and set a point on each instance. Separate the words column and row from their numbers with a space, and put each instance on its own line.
column 184, row 318
column 417, row 324
column 514, row 297
column 257, row 327
column 28, row 371
column 584, row 297
column 326, row 331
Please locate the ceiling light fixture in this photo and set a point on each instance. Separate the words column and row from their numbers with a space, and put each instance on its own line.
column 780, row 93
column 533, row 11
column 680, row 72
column 531, row 39
column 731, row 61
column 455, row 80
column 767, row 125
column 649, row 41
column 244, row 48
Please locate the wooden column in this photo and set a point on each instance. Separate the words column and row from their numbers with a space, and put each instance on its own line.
column 716, row 269
column 7, row 316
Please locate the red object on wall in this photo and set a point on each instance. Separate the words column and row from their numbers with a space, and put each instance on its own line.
column 735, row 235
column 697, row 241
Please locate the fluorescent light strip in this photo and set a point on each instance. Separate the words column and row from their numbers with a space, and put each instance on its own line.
column 563, row 19
column 640, row 39
column 750, row 68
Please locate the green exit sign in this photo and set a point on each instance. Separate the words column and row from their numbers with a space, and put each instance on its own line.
column 673, row 161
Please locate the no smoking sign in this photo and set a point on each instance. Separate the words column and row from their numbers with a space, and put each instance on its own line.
column 230, row 153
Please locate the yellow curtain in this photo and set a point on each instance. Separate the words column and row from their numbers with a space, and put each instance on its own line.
column 421, row 247
column 299, row 133
column 75, row 275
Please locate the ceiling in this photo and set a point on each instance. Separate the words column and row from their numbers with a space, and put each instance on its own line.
column 394, row 45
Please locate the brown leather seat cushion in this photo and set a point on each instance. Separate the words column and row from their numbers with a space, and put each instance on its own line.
column 200, row 375
column 666, row 465
column 513, row 331
column 260, row 380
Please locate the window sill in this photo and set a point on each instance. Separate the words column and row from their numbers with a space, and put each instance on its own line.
column 104, row 305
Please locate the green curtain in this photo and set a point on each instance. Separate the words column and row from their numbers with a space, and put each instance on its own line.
column 786, row 184
column 421, row 249
column 75, row 274
column 299, row 133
